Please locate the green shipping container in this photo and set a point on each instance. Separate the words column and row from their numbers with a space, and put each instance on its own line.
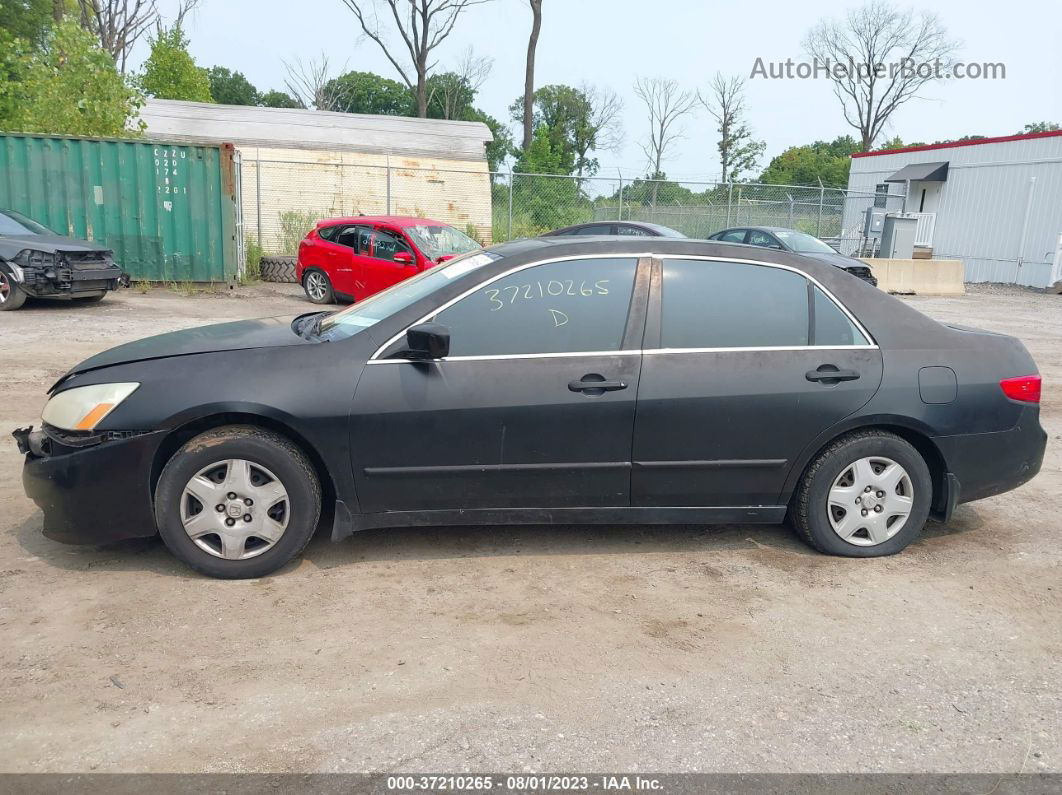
column 167, row 211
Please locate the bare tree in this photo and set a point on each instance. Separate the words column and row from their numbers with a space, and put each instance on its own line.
column 725, row 102
column 427, row 24
column 117, row 24
column 464, row 81
column 529, row 73
column 666, row 104
column 880, row 58
column 312, row 83
column 606, row 117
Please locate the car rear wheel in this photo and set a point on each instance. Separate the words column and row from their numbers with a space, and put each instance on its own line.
column 868, row 494
column 237, row 502
column 11, row 295
column 318, row 287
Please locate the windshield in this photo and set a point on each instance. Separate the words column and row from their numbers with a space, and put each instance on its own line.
column 375, row 308
column 441, row 241
column 12, row 223
column 801, row 243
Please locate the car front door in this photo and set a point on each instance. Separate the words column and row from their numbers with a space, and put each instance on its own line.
column 379, row 269
column 532, row 408
column 745, row 364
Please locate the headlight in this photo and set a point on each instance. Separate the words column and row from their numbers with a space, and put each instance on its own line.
column 84, row 407
column 16, row 272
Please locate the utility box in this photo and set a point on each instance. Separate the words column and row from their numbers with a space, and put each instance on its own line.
column 873, row 221
column 898, row 236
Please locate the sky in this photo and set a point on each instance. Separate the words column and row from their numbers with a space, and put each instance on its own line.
column 612, row 42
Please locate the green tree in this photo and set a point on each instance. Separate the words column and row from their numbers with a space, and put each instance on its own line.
column 568, row 118
column 450, row 96
column 1039, row 127
column 231, row 88
column 365, row 92
column 171, row 73
column 828, row 161
column 502, row 146
column 69, row 87
column 29, row 20
column 278, row 99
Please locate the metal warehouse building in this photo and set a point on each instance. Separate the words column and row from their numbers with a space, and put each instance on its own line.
column 295, row 163
column 994, row 203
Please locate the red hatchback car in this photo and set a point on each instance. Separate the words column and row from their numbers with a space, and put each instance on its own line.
column 352, row 258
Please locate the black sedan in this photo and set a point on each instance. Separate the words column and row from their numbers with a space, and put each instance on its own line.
column 544, row 381
column 37, row 262
column 798, row 243
column 622, row 228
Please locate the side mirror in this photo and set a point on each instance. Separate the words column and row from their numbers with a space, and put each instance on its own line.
column 404, row 258
column 428, row 341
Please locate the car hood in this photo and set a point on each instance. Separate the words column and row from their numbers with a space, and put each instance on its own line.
column 10, row 245
column 269, row 332
column 837, row 260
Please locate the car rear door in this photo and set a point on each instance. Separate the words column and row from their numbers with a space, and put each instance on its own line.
column 533, row 408
column 745, row 364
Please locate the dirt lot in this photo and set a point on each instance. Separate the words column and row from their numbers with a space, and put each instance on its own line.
column 563, row 648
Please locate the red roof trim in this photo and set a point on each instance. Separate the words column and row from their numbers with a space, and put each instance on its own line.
column 949, row 145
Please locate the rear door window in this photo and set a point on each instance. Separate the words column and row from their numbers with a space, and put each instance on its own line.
column 731, row 236
column 711, row 304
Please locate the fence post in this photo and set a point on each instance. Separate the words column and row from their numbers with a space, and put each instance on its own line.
column 512, row 185
column 822, row 196
column 729, row 201
column 790, row 197
column 258, row 198
column 620, row 216
column 388, row 185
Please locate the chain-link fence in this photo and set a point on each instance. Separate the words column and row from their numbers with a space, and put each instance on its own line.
column 282, row 199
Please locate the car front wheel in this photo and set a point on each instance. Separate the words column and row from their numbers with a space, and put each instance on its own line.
column 868, row 494
column 11, row 295
column 318, row 287
column 237, row 502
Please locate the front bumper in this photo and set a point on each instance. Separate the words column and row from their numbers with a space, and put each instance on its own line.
column 60, row 281
column 96, row 494
column 987, row 464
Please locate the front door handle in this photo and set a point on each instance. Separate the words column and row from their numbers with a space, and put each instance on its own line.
column 595, row 384
column 830, row 374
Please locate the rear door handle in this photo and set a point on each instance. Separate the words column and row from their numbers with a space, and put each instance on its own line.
column 588, row 384
column 829, row 373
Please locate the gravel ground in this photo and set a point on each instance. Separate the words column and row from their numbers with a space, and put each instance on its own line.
column 531, row 648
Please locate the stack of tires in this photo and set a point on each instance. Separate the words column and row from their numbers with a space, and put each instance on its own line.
column 278, row 269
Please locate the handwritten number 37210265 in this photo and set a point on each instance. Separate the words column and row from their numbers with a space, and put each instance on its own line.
column 501, row 297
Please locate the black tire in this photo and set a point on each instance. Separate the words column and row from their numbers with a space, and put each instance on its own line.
column 278, row 269
column 90, row 299
column 260, row 447
column 11, row 295
column 809, row 509
column 329, row 294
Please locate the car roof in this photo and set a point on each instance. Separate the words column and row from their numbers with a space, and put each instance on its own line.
column 763, row 229
column 663, row 231
column 400, row 221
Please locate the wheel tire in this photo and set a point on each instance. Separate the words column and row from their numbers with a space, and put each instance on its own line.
column 278, row 269
column 270, row 451
column 325, row 295
column 11, row 295
column 809, row 511
column 90, row 299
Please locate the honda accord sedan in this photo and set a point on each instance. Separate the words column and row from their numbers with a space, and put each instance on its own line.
column 623, row 380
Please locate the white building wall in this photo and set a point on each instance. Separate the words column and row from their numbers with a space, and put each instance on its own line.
column 985, row 204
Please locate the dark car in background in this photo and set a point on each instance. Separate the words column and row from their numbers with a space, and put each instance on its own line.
column 797, row 242
column 544, row 381
column 622, row 228
column 39, row 263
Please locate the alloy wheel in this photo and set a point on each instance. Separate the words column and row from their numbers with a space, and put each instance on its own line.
column 235, row 509
column 870, row 501
column 5, row 287
column 316, row 287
